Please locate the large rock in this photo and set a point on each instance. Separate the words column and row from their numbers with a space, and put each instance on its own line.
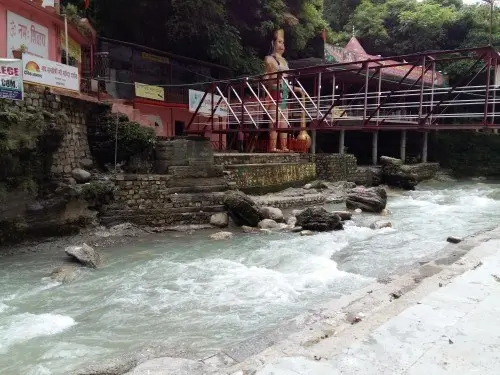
column 318, row 219
column 396, row 174
column 220, row 220
column 242, row 209
column 85, row 255
column 268, row 224
column 272, row 213
column 64, row 274
column 387, row 160
column 221, row 236
column 372, row 199
column 80, row 175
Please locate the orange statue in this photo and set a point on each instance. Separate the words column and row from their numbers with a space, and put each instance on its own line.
column 275, row 63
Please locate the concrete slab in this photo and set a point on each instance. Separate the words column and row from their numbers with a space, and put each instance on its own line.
column 454, row 330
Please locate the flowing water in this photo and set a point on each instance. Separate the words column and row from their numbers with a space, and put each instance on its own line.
column 190, row 293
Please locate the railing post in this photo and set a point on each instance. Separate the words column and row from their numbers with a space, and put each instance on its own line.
column 367, row 79
column 487, row 95
column 422, row 85
column 333, row 97
column 432, row 89
column 495, row 87
column 318, row 114
column 379, row 93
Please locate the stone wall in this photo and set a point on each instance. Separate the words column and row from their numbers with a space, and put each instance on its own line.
column 335, row 167
column 162, row 200
column 271, row 177
column 74, row 147
column 235, row 158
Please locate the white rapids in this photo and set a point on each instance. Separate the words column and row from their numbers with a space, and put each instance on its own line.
column 188, row 292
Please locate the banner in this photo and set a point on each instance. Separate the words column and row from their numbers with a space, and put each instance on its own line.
column 75, row 51
column 50, row 73
column 206, row 108
column 21, row 31
column 11, row 79
column 149, row 92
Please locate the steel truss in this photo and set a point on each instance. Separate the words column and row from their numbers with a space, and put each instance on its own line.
column 380, row 104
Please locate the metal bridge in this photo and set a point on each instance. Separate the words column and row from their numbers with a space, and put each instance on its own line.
column 355, row 96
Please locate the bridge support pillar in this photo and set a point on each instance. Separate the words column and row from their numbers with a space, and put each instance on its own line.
column 424, row 147
column 375, row 148
column 341, row 142
column 313, row 142
column 402, row 147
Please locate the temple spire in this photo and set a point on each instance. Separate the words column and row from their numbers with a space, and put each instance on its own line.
column 353, row 31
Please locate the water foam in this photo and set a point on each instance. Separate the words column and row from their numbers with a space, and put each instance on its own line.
column 23, row 327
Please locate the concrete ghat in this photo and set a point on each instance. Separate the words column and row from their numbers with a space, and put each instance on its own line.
column 453, row 329
column 445, row 320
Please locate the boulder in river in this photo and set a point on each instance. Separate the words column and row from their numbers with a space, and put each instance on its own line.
column 268, row 224
column 381, row 224
column 220, row 220
column 272, row 213
column 85, row 255
column 64, row 274
column 406, row 176
column 344, row 215
column 372, row 199
column 221, row 236
column 318, row 219
column 242, row 209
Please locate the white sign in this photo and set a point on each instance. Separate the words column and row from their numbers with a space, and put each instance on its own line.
column 48, row 3
column 21, row 31
column 206, row 108
column 50, row 73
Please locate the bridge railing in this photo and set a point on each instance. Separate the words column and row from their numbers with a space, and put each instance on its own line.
column 324, row 99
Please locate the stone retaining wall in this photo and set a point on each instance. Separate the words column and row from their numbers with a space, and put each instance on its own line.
column 236, row 158
column 74, row 147
column 271, row 177
column 335, row 167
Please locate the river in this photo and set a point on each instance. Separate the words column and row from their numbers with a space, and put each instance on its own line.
column 188, row 292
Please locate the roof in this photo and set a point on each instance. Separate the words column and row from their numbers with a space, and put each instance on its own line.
column 354, row 52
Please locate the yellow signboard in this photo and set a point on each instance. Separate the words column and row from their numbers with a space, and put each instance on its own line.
column 155, row 58
column 149, row 92
column 75, row 51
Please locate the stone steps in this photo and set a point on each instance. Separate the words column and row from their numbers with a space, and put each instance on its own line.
column 162, row 217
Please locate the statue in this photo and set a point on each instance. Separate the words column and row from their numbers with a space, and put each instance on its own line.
column 275, row 63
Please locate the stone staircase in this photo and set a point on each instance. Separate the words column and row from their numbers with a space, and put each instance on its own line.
column 189, row 190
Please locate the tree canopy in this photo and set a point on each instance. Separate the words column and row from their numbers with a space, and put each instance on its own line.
column 237, row 33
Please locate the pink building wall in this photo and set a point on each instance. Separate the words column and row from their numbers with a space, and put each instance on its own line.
column 46, row 17
column 170, row 114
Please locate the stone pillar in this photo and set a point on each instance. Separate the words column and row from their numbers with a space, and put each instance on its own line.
column 375, row 148
column 341, row 142
column 424, row 147
column 402, row 150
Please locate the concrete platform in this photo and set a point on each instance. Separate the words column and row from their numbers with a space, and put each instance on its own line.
column 454, row 330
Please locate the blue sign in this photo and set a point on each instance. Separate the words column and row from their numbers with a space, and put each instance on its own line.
column 11, row 79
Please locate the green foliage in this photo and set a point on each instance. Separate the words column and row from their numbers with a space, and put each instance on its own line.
column 132, row 139
column 468, row 153
column 27, row 141
column 98, row 193
column 396, row 27
column 235, row 33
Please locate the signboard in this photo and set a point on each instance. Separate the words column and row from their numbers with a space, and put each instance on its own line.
column 11, row 79
column 50, row 73
column 154, row 58
column 206, row 108
column 75, row 51
column 48, row 3
column 21, row 31
column 149, row 92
